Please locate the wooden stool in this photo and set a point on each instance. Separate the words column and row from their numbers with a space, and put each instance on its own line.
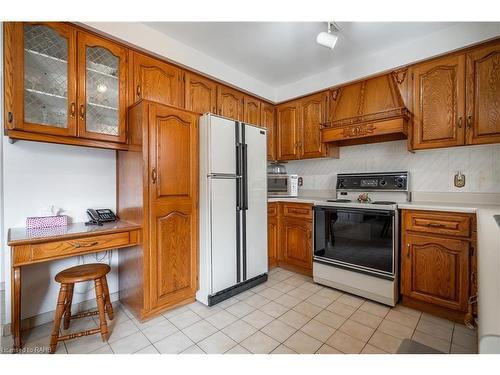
column 67, row 278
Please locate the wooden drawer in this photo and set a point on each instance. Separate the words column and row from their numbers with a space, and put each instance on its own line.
column 78, row 246
column 447, row 223
column 298, row 210
column 272, row 209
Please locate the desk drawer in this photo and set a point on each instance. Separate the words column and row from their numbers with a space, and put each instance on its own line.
column 447, row 223
column 297, row 210
column 78, row 246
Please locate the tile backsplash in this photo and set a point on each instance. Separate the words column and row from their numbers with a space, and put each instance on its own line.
column 430, row 170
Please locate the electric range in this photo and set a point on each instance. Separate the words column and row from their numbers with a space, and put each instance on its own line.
column 356, row 235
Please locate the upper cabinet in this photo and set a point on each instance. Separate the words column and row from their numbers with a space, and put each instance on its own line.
column 313, row 116
column 298, row 129
column 230, row 102
column 64, row 85
column 288, row 131
column 200, row 93
column 40, row 91
column 251, row 110
column 439, row 103
column 267, row 120
column 156, row 80
column 483, row 95
column 102, row 89
column 457, row 99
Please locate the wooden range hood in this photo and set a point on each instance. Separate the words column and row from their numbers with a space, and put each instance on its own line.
column 365, row 112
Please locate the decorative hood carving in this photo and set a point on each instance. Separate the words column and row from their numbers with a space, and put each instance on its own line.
column 369, row 108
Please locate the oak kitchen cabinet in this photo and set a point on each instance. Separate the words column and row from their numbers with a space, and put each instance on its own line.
column 272, row 233
column 290, row 236
column 156, row 80
column 64, row 85
column 438, row 262
column 267, row 120
column 298, row 129
column 251, row 110
column 200, row 93
column 162, row 271
column 230, row 102
column 456, row 99
column 482, row 97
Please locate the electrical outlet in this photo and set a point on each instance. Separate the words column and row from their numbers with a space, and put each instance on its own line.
column 459, row 179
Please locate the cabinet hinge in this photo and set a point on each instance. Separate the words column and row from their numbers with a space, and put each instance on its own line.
column 10, row 117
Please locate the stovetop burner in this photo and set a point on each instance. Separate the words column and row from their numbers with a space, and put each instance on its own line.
column 339, row 200
column 383, row 202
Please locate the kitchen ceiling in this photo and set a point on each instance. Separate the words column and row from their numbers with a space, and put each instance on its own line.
column 280, row 53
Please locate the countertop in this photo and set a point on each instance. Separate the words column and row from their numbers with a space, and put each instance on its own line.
column 23, row 236
column 485, row 206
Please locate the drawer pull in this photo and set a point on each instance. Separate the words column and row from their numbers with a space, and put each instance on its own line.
column 435, row 225
column 78, row 245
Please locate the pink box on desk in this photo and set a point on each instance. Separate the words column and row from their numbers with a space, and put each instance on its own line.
column 46, row 221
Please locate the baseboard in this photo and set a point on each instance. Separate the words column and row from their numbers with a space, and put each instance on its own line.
column 48, row 317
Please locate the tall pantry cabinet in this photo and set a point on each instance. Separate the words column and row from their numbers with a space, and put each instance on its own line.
column 158, row 188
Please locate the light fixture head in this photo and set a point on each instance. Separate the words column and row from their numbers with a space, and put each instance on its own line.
column 328, row 39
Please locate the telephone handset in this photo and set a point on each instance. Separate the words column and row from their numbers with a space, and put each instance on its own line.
column 100, row 215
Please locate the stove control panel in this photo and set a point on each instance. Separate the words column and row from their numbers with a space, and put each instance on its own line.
column 391, row 181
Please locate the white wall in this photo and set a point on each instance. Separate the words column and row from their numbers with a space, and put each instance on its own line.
column 73, row 178
column 430, row 170
column 439, row 42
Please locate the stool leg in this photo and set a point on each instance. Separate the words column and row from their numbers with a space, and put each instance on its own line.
column 103, row 326
column 107, row 299
column 57, row 320
column 69, row 301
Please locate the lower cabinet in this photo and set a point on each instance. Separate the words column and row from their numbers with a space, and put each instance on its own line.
column 290, row 236
column 296, row 239
column 272, row 234
column 436, row 268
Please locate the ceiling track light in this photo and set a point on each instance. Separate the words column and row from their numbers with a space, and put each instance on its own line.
column 328, row 39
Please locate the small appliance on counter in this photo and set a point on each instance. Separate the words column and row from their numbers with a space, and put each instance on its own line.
column 281, row 184
column 356, row 241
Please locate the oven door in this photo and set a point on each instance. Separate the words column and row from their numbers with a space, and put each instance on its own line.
column 362, row 240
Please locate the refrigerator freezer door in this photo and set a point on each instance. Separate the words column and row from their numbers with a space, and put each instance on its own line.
column 256, row 214
column 223, row 228
column 222, row 146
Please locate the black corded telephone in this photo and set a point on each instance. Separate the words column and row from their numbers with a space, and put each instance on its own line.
column 100, row 215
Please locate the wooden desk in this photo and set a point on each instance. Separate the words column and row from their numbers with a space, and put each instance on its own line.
column 31, row 246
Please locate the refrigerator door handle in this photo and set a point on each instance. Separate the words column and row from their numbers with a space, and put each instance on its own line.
column 223, row 176
column 245, row 177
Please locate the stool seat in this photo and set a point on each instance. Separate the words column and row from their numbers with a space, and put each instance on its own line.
column 84, row 272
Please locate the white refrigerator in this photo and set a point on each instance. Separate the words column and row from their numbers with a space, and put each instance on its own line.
column 233, row 208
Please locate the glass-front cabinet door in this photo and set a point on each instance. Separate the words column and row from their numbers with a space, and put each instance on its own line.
column 102, row 75
column 45, row 78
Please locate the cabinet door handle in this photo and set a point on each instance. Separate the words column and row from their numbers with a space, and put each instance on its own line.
column 82, row 112
column 78, row 245
column 72, row 110
column 154, row 175
column 138, row 91
column 408, row 250
column 459, row 124
column 469, row 122
column 435, row 225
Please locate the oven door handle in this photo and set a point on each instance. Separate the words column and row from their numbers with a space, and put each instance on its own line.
column 354, row 211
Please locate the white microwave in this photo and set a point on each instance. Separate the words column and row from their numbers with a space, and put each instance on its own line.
column 282, row 185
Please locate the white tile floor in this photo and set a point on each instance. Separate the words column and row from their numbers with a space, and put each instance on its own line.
column 287, row 314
